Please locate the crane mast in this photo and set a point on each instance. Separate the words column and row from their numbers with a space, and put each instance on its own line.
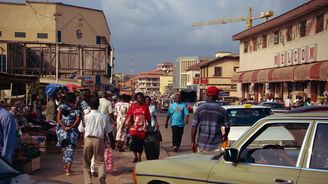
column 249, row 19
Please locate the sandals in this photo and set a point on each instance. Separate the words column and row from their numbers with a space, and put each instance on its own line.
column 69, row 173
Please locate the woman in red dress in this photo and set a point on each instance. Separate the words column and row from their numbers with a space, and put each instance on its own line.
column 137, row 118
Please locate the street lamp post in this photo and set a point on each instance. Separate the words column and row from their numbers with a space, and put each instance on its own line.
column 56, row 15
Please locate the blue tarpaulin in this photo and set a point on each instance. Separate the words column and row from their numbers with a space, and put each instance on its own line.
column 51, row 89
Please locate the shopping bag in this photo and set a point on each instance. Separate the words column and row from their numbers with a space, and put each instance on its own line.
column 108, row 156
column 152, row 143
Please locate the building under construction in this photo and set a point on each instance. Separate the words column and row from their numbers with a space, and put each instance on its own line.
column 56, row 42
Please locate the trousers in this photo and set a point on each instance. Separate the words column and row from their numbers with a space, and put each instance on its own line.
column 177, row 133
column 93, row 147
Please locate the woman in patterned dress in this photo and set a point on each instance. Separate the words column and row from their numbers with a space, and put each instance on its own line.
column 67, row 129
column 120, row 110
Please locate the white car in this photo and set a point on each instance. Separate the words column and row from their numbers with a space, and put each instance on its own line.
column 199, row 103
column 241, row 117
column 196, row 105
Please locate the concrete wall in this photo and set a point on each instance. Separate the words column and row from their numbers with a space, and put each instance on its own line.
column 29, row 18
column 224, row 81
column 90, row 23
column 34, row 17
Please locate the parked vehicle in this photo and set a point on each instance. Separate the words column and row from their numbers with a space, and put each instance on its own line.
column 197, row 104
column 10, row 175
column 323, row 108
column 166, row 104
column 284, row 148
column 241, row 117
column 189, row 97
column 276, row 107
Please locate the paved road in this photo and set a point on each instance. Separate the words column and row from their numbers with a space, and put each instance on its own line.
column 52, row 167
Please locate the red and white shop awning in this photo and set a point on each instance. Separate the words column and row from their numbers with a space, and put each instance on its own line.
column 283, row 74
column 307, row 72
column 264, row 75
column 250, row 77
column 323, row 72
column 310, row 71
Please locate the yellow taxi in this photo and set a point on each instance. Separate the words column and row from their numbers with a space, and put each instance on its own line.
column 286, row 148
column 241, row 117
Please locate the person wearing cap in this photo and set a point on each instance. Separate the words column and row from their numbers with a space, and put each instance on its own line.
column 178, row 113
column 211, row 122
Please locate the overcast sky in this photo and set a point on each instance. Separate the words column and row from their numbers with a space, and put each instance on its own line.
column 148, row 32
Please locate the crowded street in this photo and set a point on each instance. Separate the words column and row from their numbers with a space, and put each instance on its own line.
column 51, row 170
column 163, row 91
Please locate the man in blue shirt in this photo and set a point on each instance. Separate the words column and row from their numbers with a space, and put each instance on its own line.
column 178, row 113
column 7, row 135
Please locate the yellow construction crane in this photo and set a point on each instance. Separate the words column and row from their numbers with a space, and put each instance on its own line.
column 249, row 19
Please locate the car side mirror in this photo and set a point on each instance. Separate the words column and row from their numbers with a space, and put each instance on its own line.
column 231, row 155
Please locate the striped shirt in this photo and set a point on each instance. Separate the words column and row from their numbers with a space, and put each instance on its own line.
column 209, row 118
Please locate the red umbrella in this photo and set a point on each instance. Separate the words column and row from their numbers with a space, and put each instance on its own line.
column 72, row 87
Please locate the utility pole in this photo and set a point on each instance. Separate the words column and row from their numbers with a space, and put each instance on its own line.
column 56, row 15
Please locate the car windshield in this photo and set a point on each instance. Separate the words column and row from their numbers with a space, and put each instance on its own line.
column 247, row 116
column 222, row 103
column 6, row 170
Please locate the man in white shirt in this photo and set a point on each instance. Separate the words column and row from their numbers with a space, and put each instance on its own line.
column 97, row 126
column 105, row 106
column 288, row 103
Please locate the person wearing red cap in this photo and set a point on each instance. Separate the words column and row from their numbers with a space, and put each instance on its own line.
column 208, row 120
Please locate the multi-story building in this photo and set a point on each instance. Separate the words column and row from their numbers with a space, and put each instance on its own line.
column 166, row 82
column 148, row 82
column 218, row 72
column 55, row 41
column 193, row 72
column 286, row 54
column 180, row 73
column 166, row 67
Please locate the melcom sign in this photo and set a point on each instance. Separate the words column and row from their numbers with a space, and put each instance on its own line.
column 306, row 54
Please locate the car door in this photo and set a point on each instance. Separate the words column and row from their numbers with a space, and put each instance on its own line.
column 316, row 168
column 271, row 154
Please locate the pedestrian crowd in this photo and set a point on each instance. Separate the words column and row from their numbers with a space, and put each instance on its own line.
column 104, row 123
